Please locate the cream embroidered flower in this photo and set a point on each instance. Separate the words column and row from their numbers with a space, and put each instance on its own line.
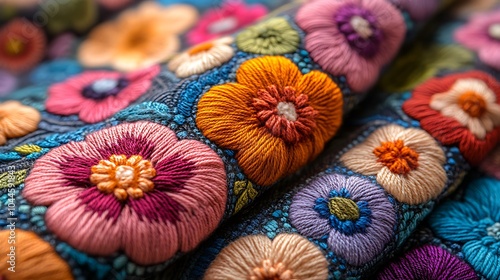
column 407, row 162
column 472, row 103
column 202, row 57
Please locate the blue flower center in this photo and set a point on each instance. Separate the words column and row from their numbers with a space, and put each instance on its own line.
column 494, row 231
column 105, row 87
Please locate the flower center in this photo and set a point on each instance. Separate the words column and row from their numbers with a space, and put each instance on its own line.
column 284, row 113
column 494, row 31
column 494, row 231
column 124, row 176
column 399, row 158
column 105, row 87
column 268, row 271
column 15, row 46
column 224, row 26
column 361, row 26
column 472, row 103
column 343, row 208
column 203, row 47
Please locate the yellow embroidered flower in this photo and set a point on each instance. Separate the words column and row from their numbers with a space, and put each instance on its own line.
column 256, row 257
column 407, row 162
column 138, row 38
column 202, row 57
column 17, row 120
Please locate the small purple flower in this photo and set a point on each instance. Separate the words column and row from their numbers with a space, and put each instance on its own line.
column 354, row 214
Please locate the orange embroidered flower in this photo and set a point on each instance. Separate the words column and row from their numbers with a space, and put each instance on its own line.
column 34, row 258
column 17, row 120
column 275, row 118
column 138, row 38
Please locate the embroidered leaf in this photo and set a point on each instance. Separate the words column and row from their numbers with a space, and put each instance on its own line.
column 28, row 149
column 246, row 192
column 8, row 179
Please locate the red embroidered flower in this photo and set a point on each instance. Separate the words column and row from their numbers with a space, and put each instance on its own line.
column 461, row 109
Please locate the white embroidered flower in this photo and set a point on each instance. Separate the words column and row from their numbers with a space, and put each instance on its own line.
column 202, row 57
column 472, row 103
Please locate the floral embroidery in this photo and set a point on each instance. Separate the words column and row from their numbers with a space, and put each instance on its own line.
column 460, row 109
column 482, row 34
column 491, row 164
column 427, row 262
column 55, row 71
column 274, row 36
column 225, row 20
column 475, row 223
column 408, row 163
column 18, row 51
column 202, row 57
column 274, row 117
column 62, row 46
column 246, row 193
column 17, row 120
column 419, row 10
column 34, row 258
column 78, row 15
column 352, row 212
column 97, row 95
column 352, row 38
column 132, row 181
column 256, row 257
column 138, row 38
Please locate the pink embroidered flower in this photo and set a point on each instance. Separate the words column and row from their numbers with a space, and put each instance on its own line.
column 482, row 34
column 133, row 188
column 229, row 18
column 352, row 38
column 97, row 95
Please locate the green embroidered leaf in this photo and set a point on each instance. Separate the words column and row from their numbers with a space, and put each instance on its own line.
column 246, row 192
column 28, row 149
column 15, row 178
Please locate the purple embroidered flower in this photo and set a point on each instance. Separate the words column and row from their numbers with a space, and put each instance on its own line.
column 354, row 215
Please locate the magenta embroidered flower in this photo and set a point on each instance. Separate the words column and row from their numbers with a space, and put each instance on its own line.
column 352, row 38
column 482, row 34
column 225, row 20
column 97, row 95
column 133, row 187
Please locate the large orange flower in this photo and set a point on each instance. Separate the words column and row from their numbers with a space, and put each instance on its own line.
column 275, row 118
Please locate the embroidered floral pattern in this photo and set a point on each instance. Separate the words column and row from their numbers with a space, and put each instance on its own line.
column 22, row 45
column 33, row 258
column 225, row 20
column 138, row 38
column 203, row 57
column 17, row 120
column 256, row 257
column 97, row 95
column 132, row 181
column 460, row 109
column 428, row 262
column 275, row 118
column 354, row 214
column 8, row 83
column 474, row 222
column 482, row 34
column 274, row 36
column 408, row 163
column 352, row 38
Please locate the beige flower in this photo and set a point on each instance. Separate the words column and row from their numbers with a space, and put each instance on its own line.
column 17, row 120
column 472, row 103
column 202, row 57
column 407, row 162
column 138, row 38
column 256, row 257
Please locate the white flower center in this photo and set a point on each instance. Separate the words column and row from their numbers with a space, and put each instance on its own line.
column 494, row 31
column 223, row 25
column 361, row 26
column 494, row 231
column 124, row 174
column 104, row 85
column 287, row 109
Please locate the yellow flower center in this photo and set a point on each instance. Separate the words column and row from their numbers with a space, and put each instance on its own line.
column 14, row 46
column 203, row 47
column 124, row 176
column 494, row 31
column 472, row 103
column 268, row 271
column 399, row 158
column 343, row 208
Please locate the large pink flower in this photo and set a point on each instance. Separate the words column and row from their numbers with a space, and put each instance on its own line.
column 229, row 18
column 133, row 187
column 352, row 38
column 482, row 34
column 97, row 95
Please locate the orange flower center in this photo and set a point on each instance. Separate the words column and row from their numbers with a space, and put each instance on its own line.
column 399, row 158
column 285, row 113
column 268, row 271
column 203, row 47
column 472, row 103
column 124, row 176
column 15, row 46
